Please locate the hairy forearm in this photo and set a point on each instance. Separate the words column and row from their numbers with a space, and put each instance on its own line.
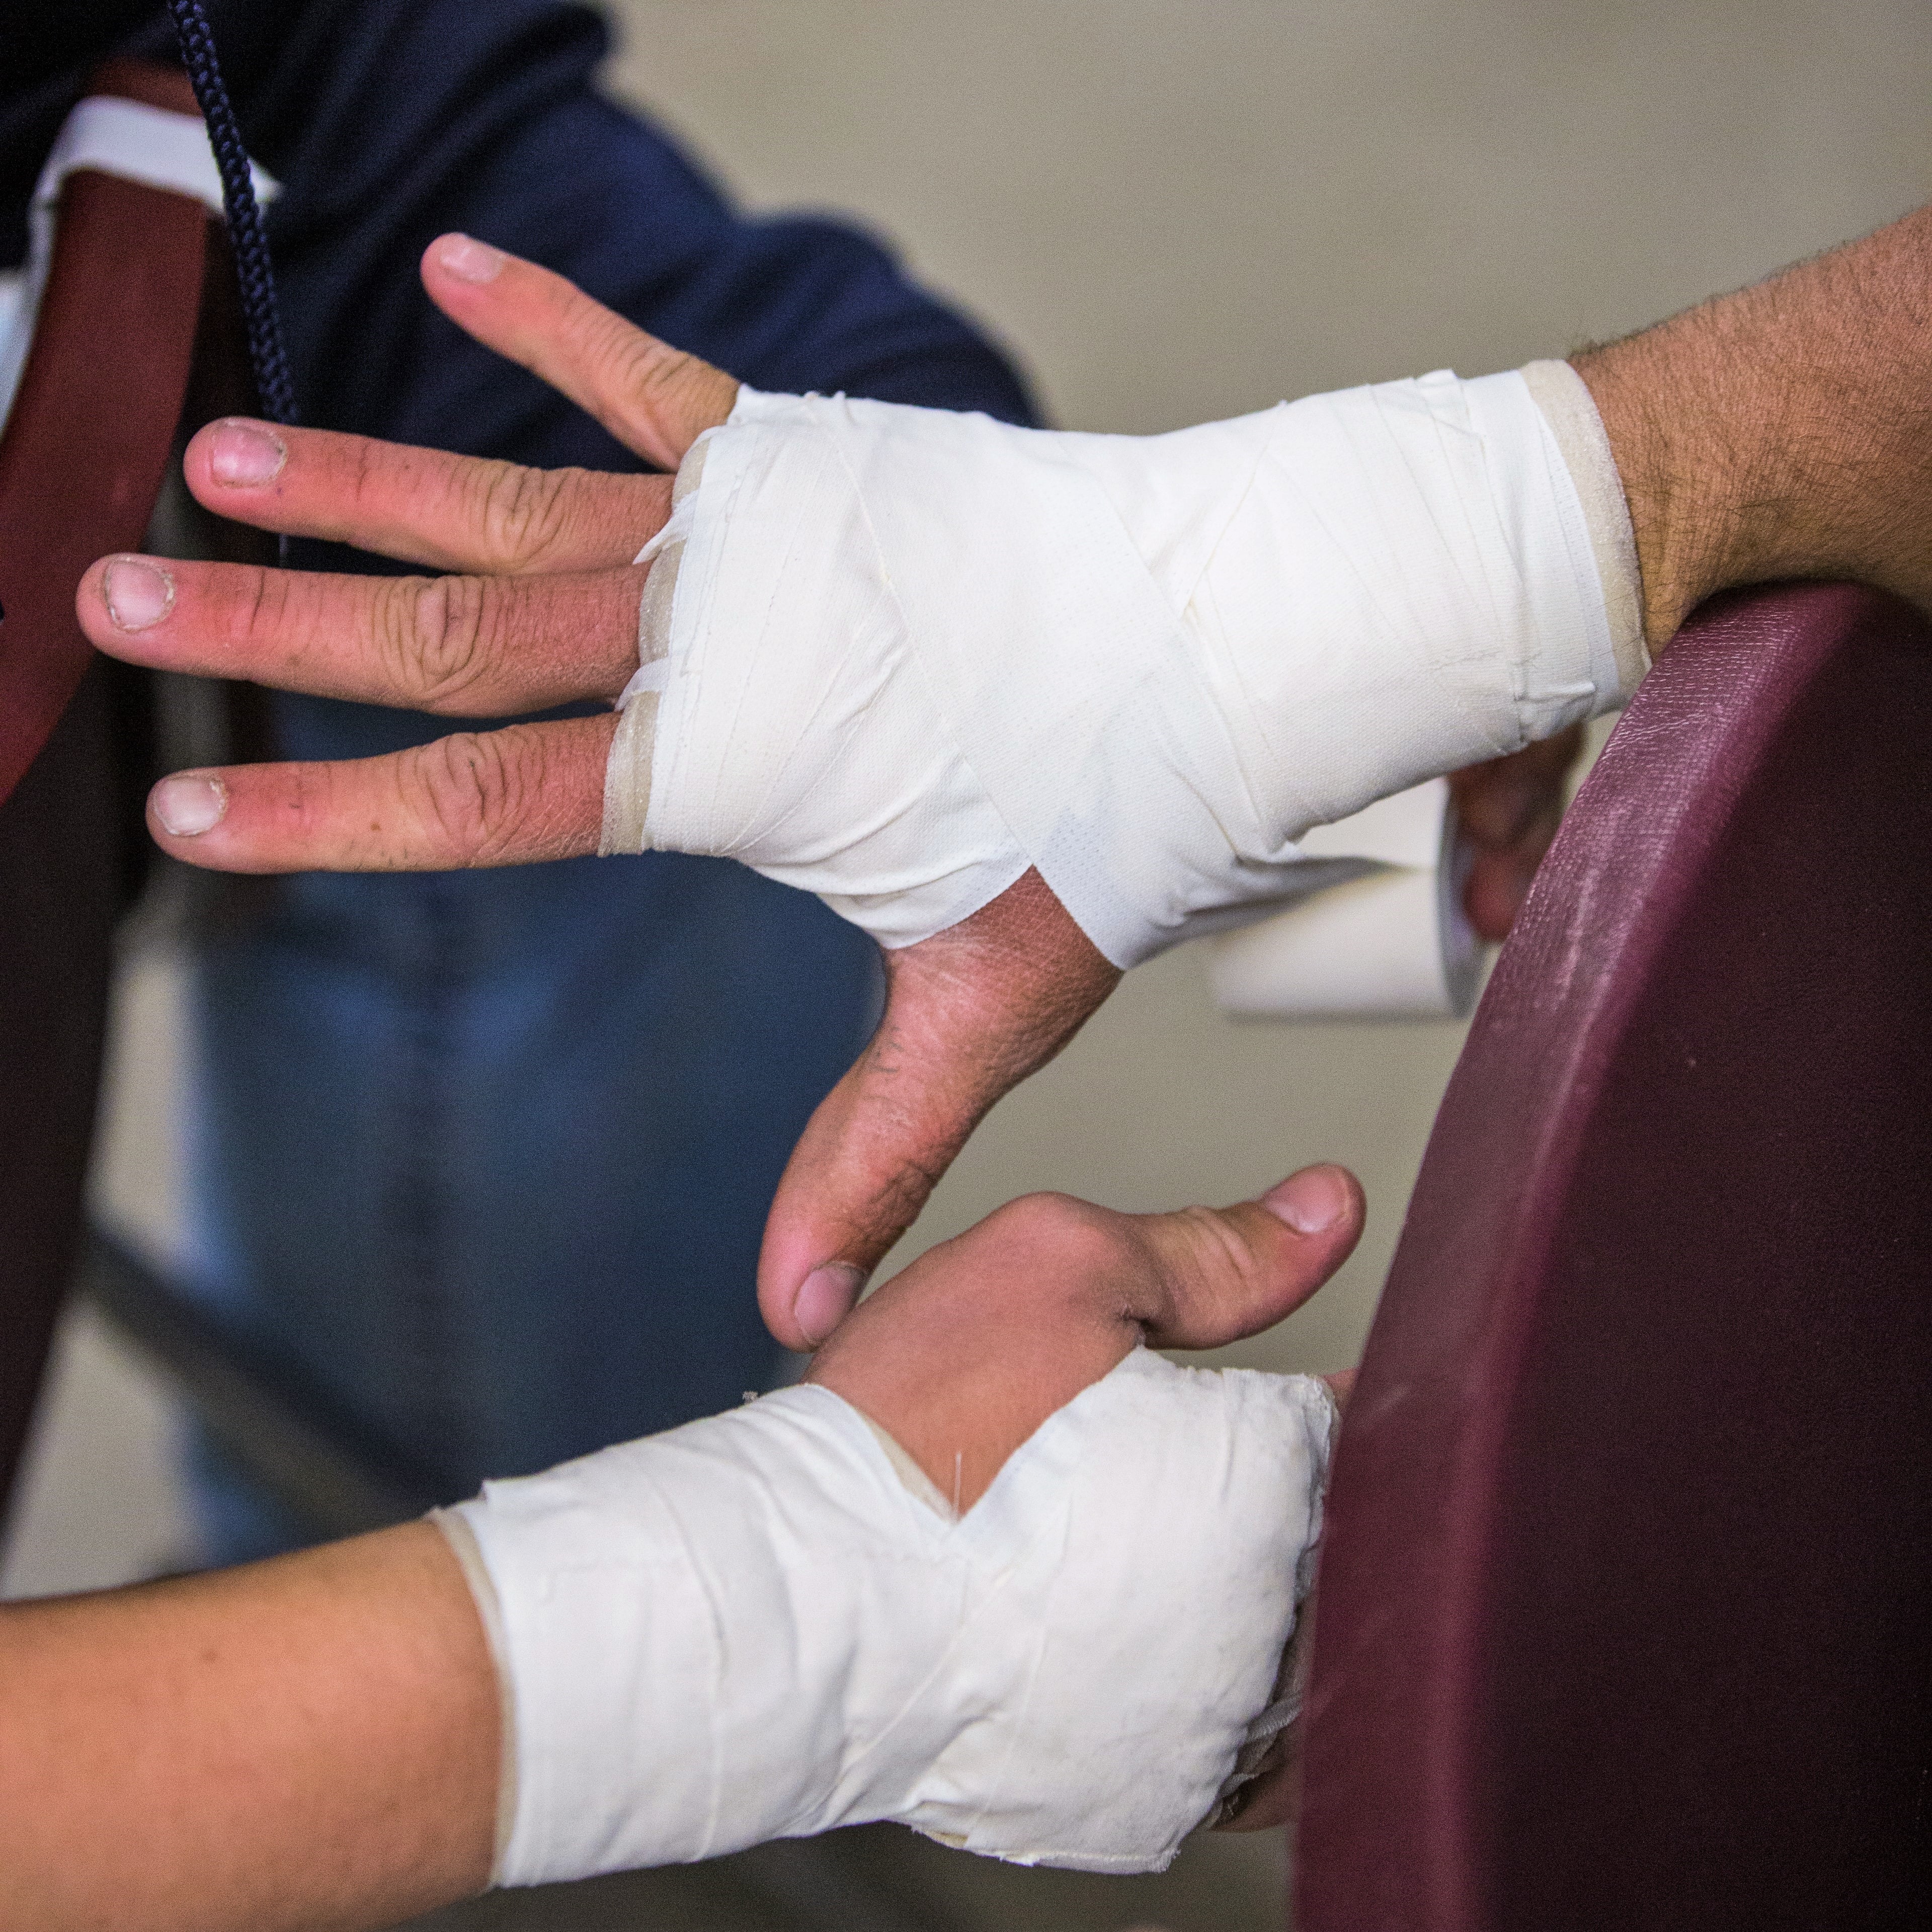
column 1784, row 430
column 311, row 1742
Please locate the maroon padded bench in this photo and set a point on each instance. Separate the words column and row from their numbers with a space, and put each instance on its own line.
column 1625, row 1611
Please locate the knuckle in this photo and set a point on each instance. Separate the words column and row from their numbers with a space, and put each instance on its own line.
column 522, row 514
column 438, row 636
column 605, row 341
column 1200, row 1259
column 1074, row 1239
column 261, row 603
column 369, row 472
column 1215, row 1241
column 649, row 369
column 476, row 792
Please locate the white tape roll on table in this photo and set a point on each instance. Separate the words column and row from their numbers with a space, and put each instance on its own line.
column 1392, row 942
column 895, row 656
column 754, row 1628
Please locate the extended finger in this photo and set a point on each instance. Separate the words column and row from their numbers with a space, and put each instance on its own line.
column 469, row 646
column 969, row 1014
column 512, row 797
column 1508, row 810
column 654, row 399
column 422, row 506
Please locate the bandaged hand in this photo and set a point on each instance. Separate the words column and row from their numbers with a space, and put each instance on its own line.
column 996, row 1571
column 542, row 607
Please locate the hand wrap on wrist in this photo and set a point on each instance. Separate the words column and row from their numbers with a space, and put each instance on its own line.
column 751, row 1628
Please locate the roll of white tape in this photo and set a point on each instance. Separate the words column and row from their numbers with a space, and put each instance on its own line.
column 1392, row 942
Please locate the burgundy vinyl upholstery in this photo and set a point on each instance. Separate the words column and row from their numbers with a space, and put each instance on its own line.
column 1625, row 1611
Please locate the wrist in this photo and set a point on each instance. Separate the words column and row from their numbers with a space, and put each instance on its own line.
column 753, row 1627
column 1781, row 431
column 1703, row 511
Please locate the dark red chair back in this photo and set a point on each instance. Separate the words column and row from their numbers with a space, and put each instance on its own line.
column 82, row 453
column 1625, row 1613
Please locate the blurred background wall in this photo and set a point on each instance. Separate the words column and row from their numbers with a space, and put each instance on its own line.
column 1172, row 210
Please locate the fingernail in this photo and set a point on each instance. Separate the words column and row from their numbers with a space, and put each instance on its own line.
column 137, row 594
column 186, row 805
column 825, row 1298
column 1311, row 1201
column 468, row 259
column 245, row 454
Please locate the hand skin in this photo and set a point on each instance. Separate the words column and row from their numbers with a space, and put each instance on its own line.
column 313, row 1742
column 1508, row 810
column 1776, row 432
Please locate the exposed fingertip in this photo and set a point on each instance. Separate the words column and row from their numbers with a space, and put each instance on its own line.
column 1498, row 885
column 825, row 1298
column 190, row 803
column 1314, row 1201
column 467, row 259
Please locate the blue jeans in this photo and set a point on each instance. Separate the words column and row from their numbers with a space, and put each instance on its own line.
column 489, row 1154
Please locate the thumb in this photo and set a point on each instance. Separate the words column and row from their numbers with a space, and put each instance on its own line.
column 961, row 1357
column 969, row 1014
column 654, row 399
column 1219, row 1273
column 1509, row 809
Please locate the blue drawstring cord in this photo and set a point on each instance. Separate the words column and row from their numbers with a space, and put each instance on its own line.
column 273, row 385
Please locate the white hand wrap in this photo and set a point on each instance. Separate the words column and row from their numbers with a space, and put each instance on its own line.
column 752, row 1627
column 895, row 656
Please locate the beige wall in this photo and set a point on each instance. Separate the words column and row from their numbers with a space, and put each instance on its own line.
column 1173, row 209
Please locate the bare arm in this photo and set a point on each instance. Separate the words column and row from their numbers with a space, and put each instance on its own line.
column 1784, row 430
column 310, row 1742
